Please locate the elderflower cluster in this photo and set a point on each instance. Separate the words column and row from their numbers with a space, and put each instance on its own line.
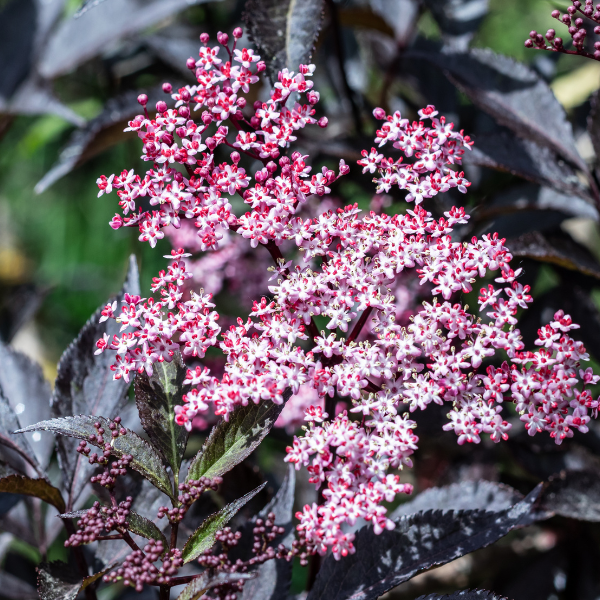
column 382, row 368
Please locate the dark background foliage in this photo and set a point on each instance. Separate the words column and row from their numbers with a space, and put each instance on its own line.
column 68, row 85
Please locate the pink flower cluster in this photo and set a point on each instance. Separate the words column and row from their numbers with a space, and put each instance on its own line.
column 194, row 325
column 172, row 138
column 352, row 263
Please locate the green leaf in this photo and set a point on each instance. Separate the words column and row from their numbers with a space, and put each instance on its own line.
column 57, row 582
column 145, row 528
column 146, row 459
column 199, row 586
column 204, row 537
column 14, row 483
column 156, row 398
column 230, row 442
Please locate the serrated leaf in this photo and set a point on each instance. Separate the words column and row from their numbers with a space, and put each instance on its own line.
column 204, row 582
column 39, row 488
column 204, row 537
column 84, row 385
column 145, row 528
column 56, row 581
column 230, row 442
column 573, row 494
column 561, row 251
column 515, row 95
column 274, row 577
column 418, row 542
column 156, row 398
column 28, row 394
column 467, row 495
column 503, row 151
column 285, row 31
column 464, row 595
column 146, row 459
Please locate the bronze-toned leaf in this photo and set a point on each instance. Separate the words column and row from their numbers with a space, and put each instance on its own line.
column 39, row 488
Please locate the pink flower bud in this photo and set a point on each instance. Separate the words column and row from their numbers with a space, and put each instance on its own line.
column 211, row 143
column 180, row 131
column 185, row 94
column 313, row 97
column 241, row 102
column 161, row 106
column 556, row 14
column 255, row 122
column 116, row 222
column 379, row 114
column 206, row 118
column 261, row 176
column 271, row 167
column 238, row 33
column 222, row 38
column 142, row 99
column 190, row 63
column 178, row 177
column 167, row 88
column 184, row 111
column 260, row 66
column 235, row 157
column 323, row 122
column 204, row 37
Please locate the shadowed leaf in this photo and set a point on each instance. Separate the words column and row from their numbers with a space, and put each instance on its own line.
column 418, row 542
column 39, row 488
column 84, row 385
column 146, row 528
column 204, row 537
column 156, row 398
column 56, row 581
column 274, row 577
column 230, row 442
column 15, row 588
column 28, row 393
column 573, row 494
column 285, row 31
column 464, row 595
column 199, row 586
column 561, row 251
column 146, row 459
column 467, row 495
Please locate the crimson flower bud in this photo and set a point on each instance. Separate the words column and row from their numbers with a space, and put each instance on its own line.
column 190, row 63
column 206, row 118
column 184, row 111
column 379, row 114
column 271, row 167
column 180, row 131
column 185, row 94
column 238, row 33
column 222, row 38
column 323, row 121
column 142, row 99
column 258, row 104
column 241, row 102
column 161, row 106
column 211, row 144
column 168, row 139
column 313, row 97
column 255, row 122
column 261, row 66
column 204, row 37
column 235, row 157
column 178, row 176
column 167, row 88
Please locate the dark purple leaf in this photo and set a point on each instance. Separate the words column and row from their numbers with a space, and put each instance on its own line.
column 561, row 251
column 14, row 483
column 204, row 537
column 18, row 304
column 573, row 494
column 285, row 31
column 57, row 581
column 146, row 459
column 28, row 394
column 15, row 588
column 464, row 595
column 76, row 41
column 274, row 577
column 84, row 385
column 418, row 542
column 467, row 495
column 400, row 15
column 515, row 95
column 156, row 398
column 503, row 151
column 230, row 442
column 458, row 20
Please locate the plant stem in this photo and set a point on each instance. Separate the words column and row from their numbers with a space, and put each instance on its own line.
column 90, row 592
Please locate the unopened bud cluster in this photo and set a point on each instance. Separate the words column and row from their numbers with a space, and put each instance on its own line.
column 574, row 20
column 190, row 492
column 139, row 569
